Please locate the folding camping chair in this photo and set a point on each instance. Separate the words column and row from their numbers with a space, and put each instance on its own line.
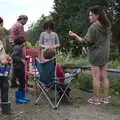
column 47, row 82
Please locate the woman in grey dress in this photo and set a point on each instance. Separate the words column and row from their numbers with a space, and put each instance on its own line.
column 98, row 40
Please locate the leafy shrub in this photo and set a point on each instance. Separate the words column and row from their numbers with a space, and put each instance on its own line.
column 84, row 81
column 114, row 64
column 115, row 86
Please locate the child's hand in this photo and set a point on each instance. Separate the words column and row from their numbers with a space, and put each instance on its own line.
column 47, row 46
column 4, row 61
column 9, row 59
column 67, row 74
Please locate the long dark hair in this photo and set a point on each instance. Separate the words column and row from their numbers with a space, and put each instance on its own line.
column 103, row 19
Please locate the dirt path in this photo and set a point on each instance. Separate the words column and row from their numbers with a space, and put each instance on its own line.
column 79, row 110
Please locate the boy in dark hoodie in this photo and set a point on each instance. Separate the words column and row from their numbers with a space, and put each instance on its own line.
column 19, row 58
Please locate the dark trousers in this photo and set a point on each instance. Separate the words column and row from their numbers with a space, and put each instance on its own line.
column 4, row 86
column 20, row 75
column 13, row 78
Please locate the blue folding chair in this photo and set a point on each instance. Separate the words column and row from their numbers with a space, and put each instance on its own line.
column 48, row 82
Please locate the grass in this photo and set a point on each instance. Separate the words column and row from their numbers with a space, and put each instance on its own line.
column 84, row 80
column 68, row 59
column 114, row 64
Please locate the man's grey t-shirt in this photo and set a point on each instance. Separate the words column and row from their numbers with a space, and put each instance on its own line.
column 48, row 38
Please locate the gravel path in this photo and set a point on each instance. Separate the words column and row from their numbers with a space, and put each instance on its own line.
column 75, row 111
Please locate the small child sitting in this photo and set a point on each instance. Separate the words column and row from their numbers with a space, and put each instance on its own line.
column 50, row 53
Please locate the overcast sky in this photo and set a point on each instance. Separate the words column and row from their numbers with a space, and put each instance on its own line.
column 11, row 9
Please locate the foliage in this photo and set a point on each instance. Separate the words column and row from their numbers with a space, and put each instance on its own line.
column 114, row 13
column 115, row 64
column 67, row 58
column 29, row 45
column 115, row 86
column 84, row 80
column 72, row 15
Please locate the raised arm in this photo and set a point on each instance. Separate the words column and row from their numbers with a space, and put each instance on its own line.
column 72, row 34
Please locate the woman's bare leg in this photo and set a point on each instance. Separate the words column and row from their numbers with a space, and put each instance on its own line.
column 105, row 80
column 96, row 80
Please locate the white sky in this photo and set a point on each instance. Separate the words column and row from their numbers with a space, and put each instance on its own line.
column 11, row 9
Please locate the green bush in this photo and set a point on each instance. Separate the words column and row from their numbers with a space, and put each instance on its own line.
column 114, row 64
column 115, row 86
column 84, row 81
column 67, row 58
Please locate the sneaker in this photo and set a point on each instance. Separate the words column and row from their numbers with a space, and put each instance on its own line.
column 95, row 101
column 105, row 100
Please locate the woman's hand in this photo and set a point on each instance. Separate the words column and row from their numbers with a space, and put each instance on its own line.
column 75, row 35
column 72, row 34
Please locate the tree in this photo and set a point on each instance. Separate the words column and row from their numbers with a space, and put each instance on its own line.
column 114, row 12
column 72, row 15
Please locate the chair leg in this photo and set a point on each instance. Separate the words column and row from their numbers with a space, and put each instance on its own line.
column 55, row 95
column 38, row 98
column 64, row 94
column 45, row 94
column 37, row 90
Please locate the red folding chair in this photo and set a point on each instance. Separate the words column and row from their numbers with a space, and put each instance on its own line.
column 29, row 72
